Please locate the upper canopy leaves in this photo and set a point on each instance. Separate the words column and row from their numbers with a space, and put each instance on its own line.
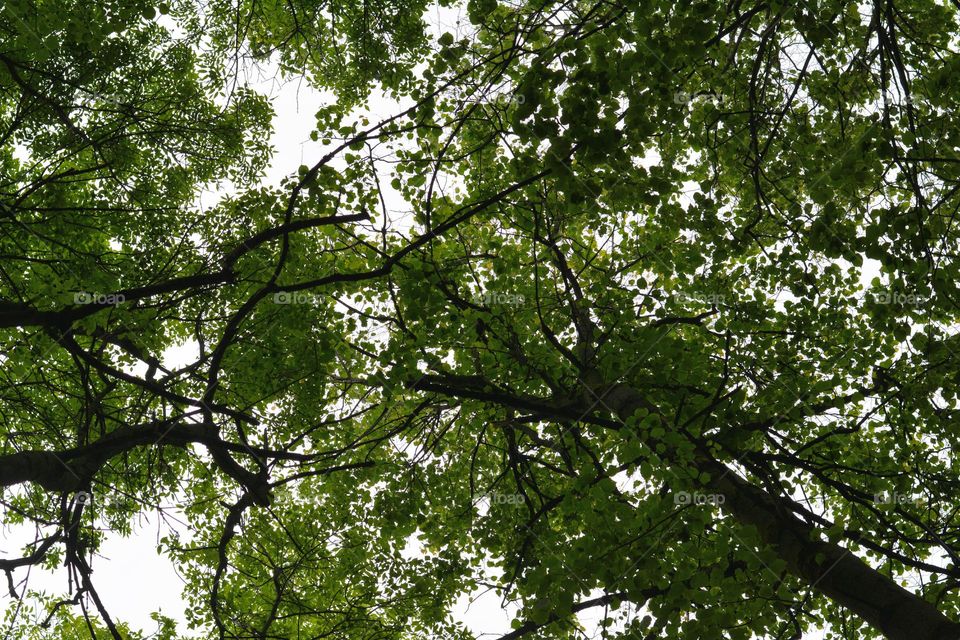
column 623, row 307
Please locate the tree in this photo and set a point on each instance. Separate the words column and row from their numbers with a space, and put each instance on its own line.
column 626, row 307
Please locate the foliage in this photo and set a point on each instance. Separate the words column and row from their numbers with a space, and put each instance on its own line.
column 645, row 309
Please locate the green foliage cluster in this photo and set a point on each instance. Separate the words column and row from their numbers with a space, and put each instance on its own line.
column 646, row 310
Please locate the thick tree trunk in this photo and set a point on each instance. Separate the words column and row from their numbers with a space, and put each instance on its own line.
column 840, row 575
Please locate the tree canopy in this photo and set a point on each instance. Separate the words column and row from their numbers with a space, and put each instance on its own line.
column 641, row 309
